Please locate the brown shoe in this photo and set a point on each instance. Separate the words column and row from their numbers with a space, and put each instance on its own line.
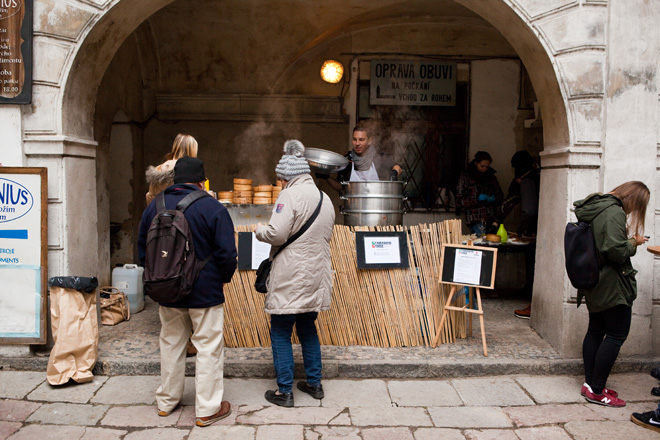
column 524, row 313
column 167, row 413
column 225, row 410
column 190, row 349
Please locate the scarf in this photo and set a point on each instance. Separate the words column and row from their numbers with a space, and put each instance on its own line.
column 363, row 163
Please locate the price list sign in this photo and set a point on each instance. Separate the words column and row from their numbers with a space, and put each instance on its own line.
column 15, row 51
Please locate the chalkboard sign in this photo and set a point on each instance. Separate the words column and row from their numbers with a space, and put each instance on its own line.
column 468, row 265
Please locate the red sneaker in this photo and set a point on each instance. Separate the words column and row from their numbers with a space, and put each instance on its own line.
column 604, row 399
column 586, row 387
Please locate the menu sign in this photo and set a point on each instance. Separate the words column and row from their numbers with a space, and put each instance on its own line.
column 15, row 51
column 429, row 83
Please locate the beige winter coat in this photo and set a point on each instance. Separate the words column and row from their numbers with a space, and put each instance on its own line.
column 159, row 178
column 300, row 279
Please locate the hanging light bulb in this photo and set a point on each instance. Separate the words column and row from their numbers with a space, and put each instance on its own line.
column 332, row 71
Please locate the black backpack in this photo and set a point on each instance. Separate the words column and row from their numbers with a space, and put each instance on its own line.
column 171, row 267
column 582, row 261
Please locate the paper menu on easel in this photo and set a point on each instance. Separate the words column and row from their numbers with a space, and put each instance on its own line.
column 467, row 266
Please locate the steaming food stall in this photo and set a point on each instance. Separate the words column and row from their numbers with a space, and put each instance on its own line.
column 394, row 307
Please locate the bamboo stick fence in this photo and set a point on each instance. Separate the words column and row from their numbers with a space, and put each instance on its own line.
column 375, row 307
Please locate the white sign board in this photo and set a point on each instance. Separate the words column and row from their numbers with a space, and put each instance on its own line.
column 22, row 254
column 260, row 251
column 467, row 267
column 382, row 250
column 428, row 83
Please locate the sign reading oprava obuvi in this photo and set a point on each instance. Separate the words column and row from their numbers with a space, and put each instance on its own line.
column 22, row 254
column 397, row 82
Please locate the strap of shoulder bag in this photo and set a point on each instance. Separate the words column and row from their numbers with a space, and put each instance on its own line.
column 302, row 230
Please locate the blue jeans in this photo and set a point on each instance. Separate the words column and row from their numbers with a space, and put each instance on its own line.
column 281, row 327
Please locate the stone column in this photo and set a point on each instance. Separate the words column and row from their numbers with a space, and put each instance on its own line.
column 631, row 133
column 72, row 206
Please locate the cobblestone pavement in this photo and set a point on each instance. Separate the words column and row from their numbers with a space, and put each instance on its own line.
column 517, row 407
column 507, row 337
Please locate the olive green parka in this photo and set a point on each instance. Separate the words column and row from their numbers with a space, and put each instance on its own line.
column 617, row 284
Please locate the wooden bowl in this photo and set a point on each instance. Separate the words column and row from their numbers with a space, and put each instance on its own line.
column 239, row 187
column 242, row 200
column 493, row 238
column 243, row 182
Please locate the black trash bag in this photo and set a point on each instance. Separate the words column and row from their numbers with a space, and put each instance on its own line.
column 82, row 284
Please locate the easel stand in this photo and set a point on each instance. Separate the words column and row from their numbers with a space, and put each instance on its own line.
column 479, row 311
column 466, row 266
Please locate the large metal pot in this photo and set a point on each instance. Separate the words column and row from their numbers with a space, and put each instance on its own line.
column 373, row 203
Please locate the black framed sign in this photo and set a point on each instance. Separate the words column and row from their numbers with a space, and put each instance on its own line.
column 468, row 265
column 381, row 250
column 251, row 252
column 15, row 51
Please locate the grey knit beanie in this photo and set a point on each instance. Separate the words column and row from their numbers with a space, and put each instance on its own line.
column 293, row 163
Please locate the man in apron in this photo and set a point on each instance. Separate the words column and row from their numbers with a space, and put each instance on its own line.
column 362, row 166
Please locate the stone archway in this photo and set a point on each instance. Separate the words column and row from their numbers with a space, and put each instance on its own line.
column 568, row 100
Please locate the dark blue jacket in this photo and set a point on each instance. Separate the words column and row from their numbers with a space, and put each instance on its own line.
column 213, row 231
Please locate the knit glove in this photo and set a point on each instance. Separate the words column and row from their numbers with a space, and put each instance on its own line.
column 485, row 198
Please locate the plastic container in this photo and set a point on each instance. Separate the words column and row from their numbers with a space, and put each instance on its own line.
column 128, row 279
column 502, row 233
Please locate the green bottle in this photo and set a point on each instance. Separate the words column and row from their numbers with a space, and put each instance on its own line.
column 502, row 233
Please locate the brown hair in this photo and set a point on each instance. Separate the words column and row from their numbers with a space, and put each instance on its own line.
column 184, row 145
column 635, row 197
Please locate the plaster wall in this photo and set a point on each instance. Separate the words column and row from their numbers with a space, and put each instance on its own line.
column 630, row 144
column 495, row 93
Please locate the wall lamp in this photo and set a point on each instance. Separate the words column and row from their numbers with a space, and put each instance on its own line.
column 332, row 71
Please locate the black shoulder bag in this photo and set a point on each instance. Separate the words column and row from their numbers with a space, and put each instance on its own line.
column 264, row 268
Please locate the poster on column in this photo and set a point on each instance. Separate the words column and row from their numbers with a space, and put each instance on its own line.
column 15, row 51
column 23, row 255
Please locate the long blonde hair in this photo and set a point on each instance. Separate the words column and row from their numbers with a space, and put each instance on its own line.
column 184, row 145
column 635, row 197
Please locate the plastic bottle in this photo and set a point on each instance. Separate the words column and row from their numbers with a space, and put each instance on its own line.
column 128, row 279
column 502, row 233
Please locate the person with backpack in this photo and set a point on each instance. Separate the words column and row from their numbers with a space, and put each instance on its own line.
column 300, row 282
column 617, row 223
column 204, row 246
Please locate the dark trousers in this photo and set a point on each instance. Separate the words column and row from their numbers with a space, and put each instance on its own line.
column 606, row 334
column 281, row 327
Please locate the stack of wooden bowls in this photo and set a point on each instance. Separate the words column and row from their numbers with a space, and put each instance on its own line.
column 226, row 196
column 276, row 191
column 263, row 195
column 243, row 193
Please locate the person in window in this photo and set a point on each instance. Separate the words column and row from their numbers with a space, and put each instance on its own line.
column 480, row 195
column 364, row 163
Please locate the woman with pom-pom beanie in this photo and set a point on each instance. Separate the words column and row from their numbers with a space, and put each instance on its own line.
column 300, row 281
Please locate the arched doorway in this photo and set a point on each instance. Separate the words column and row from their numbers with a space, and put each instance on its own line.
column 84, row 105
